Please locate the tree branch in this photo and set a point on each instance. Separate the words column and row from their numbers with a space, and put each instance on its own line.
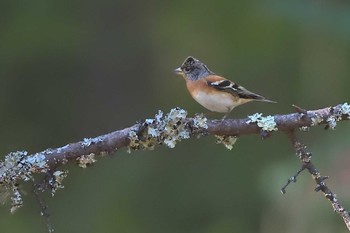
column 163, row 129
column 305, row 158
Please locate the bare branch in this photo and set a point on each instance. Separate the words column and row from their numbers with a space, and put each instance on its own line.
column 305, row 157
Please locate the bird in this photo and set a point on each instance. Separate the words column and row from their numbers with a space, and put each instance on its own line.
column 212, row 91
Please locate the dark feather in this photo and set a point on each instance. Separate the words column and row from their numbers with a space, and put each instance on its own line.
column 237, row 90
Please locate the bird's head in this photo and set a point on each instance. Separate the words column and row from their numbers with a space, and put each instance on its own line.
column 193, row 69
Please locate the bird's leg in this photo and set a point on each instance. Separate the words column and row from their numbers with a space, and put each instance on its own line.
column 224, row 117
column 226, row 114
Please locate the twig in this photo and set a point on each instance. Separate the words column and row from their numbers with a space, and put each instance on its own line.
column 305, row 158
column 292, row 179
column 44, row 212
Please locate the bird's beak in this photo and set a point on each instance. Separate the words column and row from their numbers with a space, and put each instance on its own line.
column 178, row 71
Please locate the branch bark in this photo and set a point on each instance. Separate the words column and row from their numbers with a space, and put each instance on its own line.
column 109, row 143
column 166, row 129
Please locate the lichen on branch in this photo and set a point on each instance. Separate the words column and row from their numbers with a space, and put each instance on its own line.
column 164, row 129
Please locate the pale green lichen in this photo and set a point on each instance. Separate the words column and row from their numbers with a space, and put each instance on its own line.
column 37, row 162
column 16, row 199
column 168, row 129
column 159, row 116
column 134, row 141
column 268, row 123
column 200, row 121
column 90, row 141
column 316, row 120
column 265, row 123
column 57, row 180
column 332, row 122
column 61, row 149
column 304, row 128
column 172, row 128
column 337, row 114
column 254, row 118
column 85, row 160
column 345, row 109
column 12, row 167
column 18, row 166
column 227, row 141
column 153, row 132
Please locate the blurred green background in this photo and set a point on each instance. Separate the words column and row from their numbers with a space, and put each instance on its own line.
column 75, row 69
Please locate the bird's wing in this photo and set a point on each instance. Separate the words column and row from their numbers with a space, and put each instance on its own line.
column 234, row 89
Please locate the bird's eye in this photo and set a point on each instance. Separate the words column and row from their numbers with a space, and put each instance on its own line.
column 187, row 69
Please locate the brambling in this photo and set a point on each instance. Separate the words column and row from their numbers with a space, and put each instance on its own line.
column 212, row 91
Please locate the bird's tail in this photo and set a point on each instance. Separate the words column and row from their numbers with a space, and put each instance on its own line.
column 256, row 97
column 263, row 99
column 245, row 94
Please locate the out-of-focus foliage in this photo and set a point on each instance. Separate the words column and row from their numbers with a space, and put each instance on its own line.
column 75, row 69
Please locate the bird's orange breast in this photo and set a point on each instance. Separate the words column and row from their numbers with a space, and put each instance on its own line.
column 210, row 98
